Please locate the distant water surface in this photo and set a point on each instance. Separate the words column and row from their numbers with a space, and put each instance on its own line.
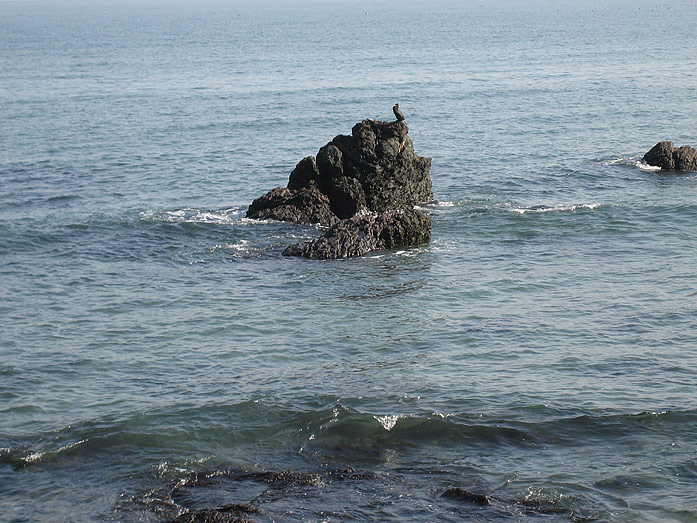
column 158, row 354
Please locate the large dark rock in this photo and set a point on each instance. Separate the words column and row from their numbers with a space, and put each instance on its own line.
column 669, row 158
column 364, row 186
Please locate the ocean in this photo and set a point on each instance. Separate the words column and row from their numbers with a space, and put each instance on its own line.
column 537, row 360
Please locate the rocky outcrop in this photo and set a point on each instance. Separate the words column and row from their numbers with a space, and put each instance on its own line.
column 363, row 186
column 669, row 158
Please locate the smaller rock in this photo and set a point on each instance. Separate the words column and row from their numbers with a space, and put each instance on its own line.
column 461, row 494
column 349, row 473
column 291, row 478
column 212, row 516
column 285, row 479
column 245, row 508
column 542, row 507
column 661, row 155
column 305, row 174
column 304, row 206
column 667, row 157
column 685, row 158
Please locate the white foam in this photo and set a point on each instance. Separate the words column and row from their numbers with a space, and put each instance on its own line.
column 442, row 246
column 254, row 221
column 641, row 164
column 435, row 204
column 632, row 161
column 34, row 457
column 554, row 208
column 241, row 246
column 623, row 160
column 72, row 445
column 162, row 468
column 387, row 422
column 189, row 215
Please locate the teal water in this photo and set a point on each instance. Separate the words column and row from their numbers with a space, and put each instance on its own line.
column 540, row 350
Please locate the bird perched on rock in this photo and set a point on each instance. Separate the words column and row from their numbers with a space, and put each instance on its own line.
column 398, row 113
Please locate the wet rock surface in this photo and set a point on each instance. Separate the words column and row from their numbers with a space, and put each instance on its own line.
column 466, row 496
column 514, row 506
column 669, row 158
column 222, row 484
column 244, row 496
column 234, row 513
column 364, row 186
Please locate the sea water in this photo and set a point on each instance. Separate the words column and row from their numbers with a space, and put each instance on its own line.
column 157, row 351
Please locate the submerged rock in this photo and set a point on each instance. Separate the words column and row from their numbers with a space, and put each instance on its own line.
column 669, row 158
column 363, row 186
column 287, row 478
column 234, row 513
column 276, row 484
column 461, row 494
column 516, row 506
column 246, row 496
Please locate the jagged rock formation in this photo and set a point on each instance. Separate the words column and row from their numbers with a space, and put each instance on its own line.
column 669, row 158
column 363, row 186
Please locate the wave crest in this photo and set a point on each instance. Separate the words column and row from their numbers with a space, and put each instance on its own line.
column 555, row 208
column 189, row 215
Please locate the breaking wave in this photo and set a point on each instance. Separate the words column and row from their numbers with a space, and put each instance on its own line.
column 632, row 161
column 553, row 208
column 189, row 215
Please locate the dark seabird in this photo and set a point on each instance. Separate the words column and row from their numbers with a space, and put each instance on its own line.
column 398, row 113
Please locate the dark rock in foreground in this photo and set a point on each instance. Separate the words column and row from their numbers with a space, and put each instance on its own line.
column 363, row 186
column 246, row 496
column 528, row 506
column 669, row 158
column 234, row 513
column 287, row 478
